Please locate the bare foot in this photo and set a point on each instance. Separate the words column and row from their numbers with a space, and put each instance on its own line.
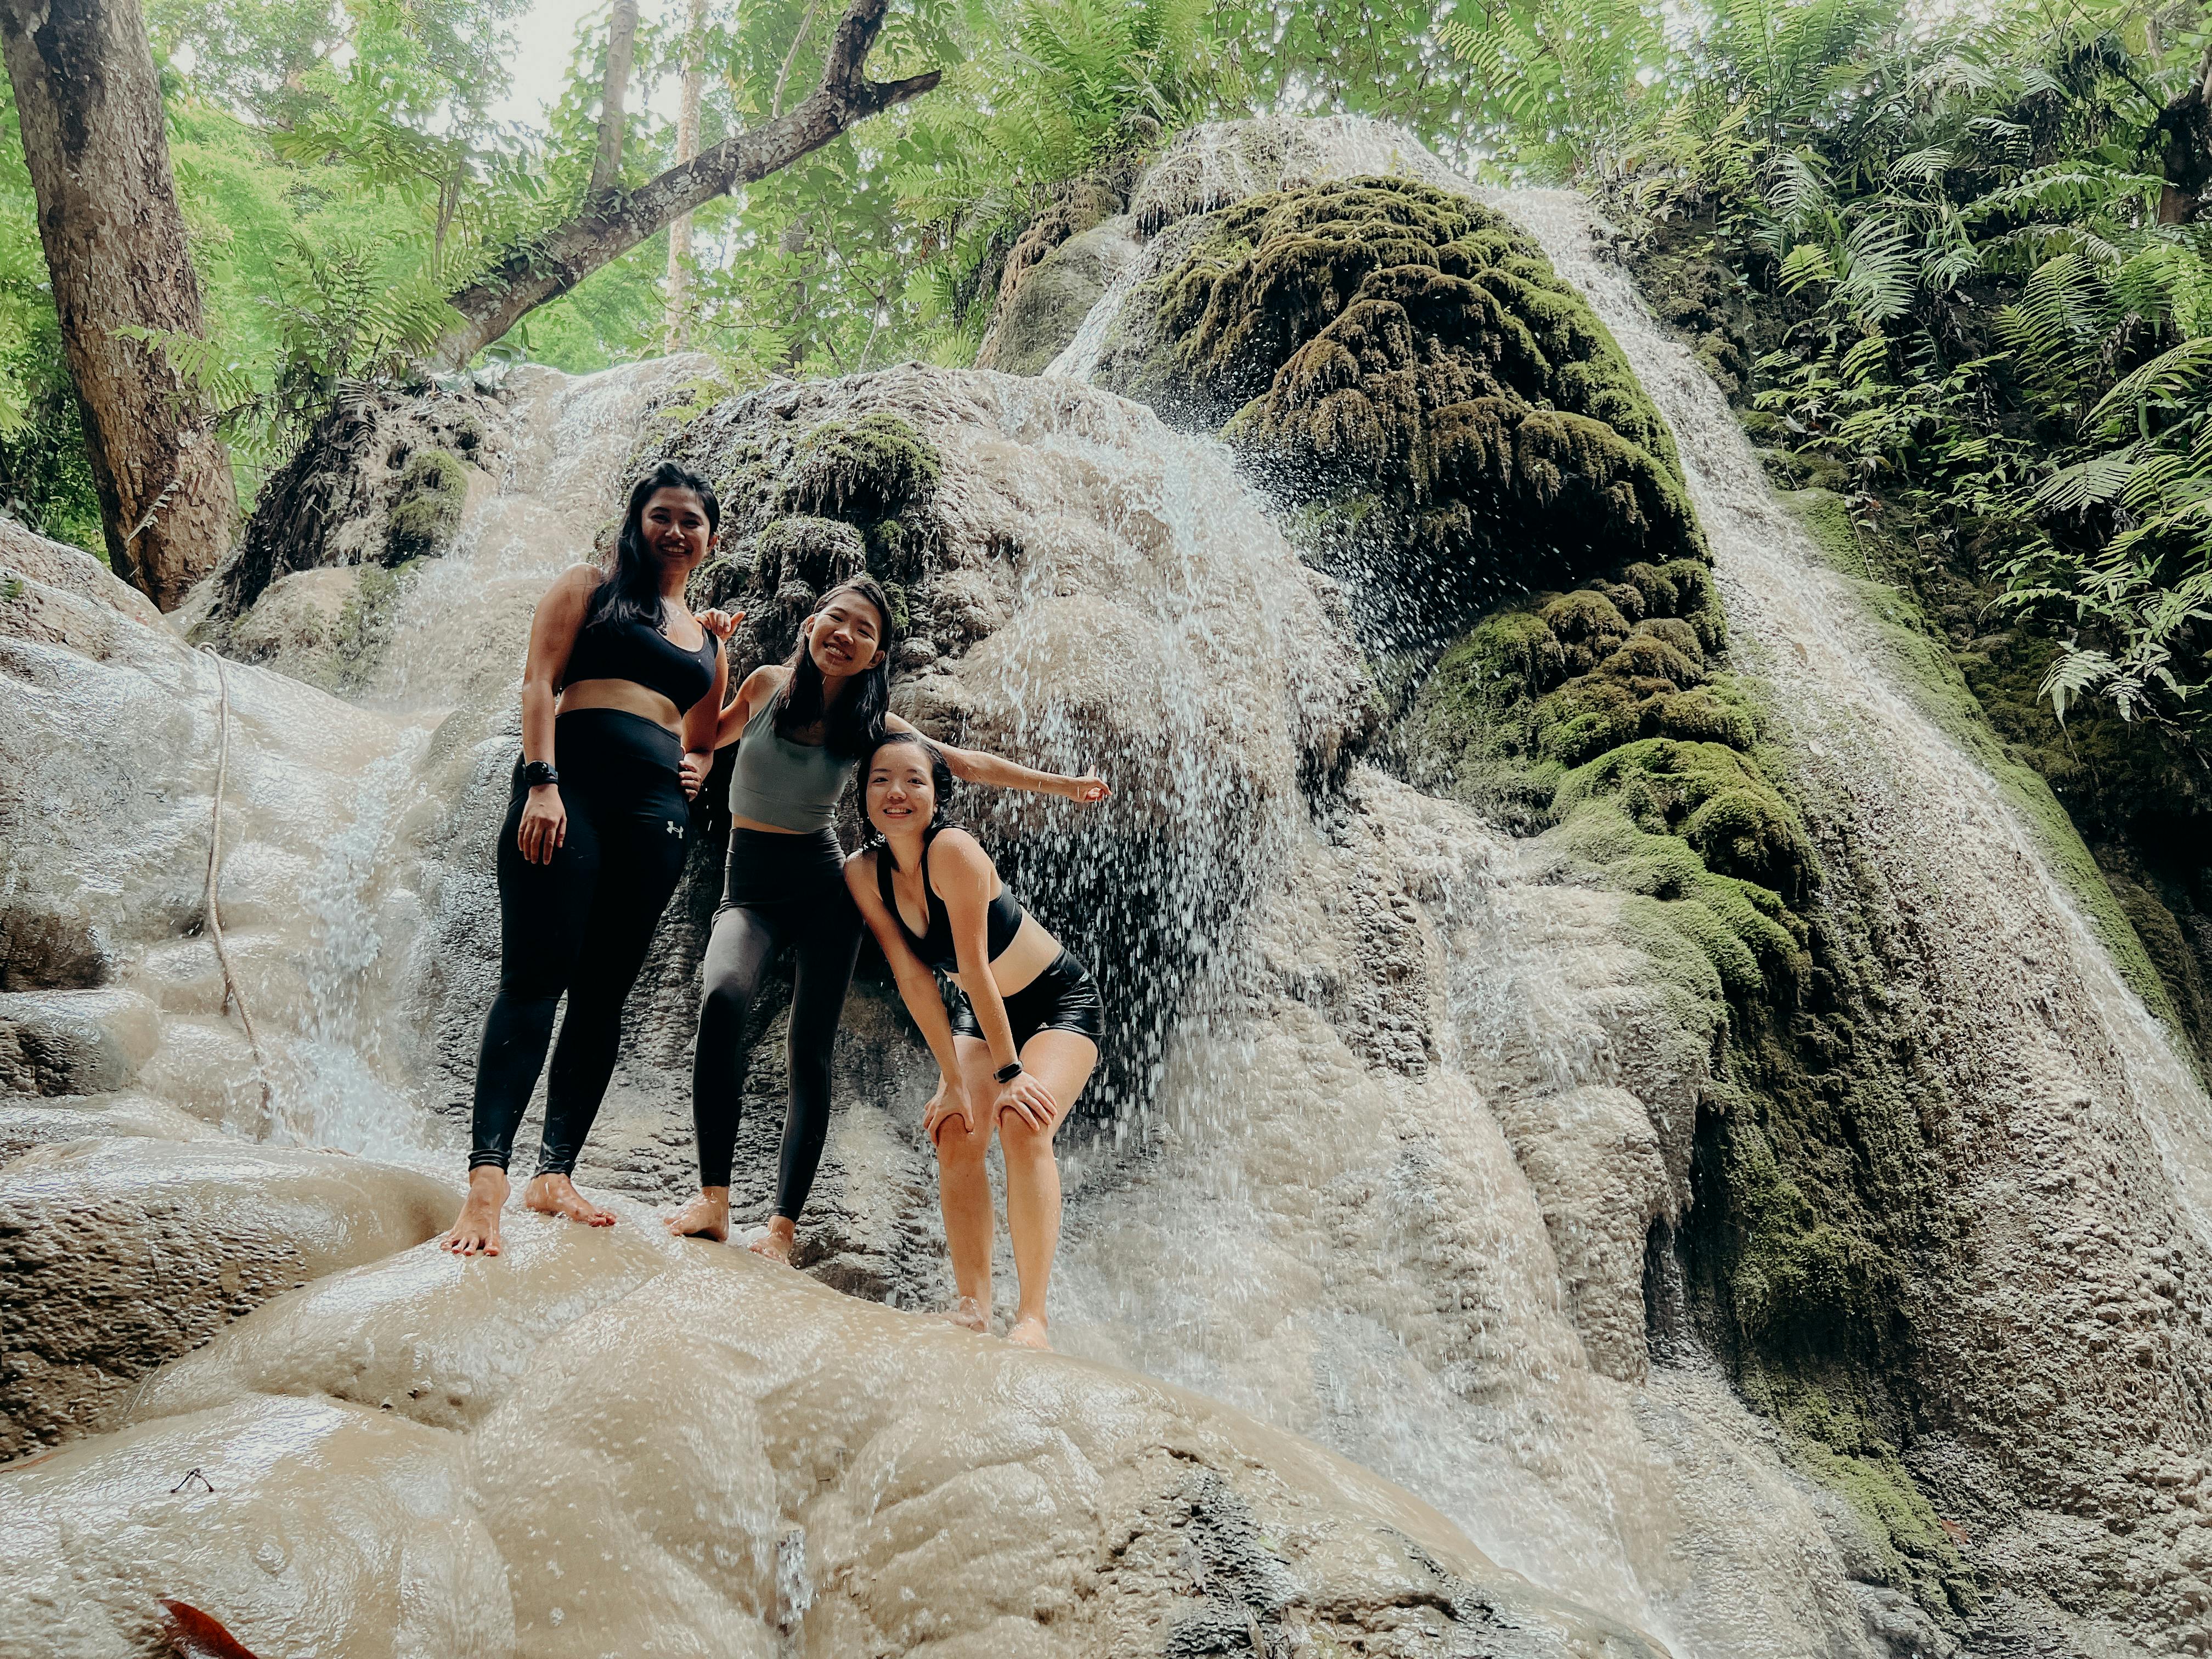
column 476, row 1231
column 1028, row 1333
column 555, row 1195
column 775, row 1243
column 968, row 1314
column 706, row 1216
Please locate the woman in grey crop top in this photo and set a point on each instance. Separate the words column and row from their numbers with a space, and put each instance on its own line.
column 801, row 727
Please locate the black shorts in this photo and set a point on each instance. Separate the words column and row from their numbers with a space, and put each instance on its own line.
column 1063, row 998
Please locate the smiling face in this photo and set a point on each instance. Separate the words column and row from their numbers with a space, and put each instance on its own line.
column 845, row 637
column 675, row 528
column 900, row 794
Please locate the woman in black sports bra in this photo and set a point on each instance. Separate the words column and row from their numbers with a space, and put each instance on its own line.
column 618, row 721
column 1021, row 1040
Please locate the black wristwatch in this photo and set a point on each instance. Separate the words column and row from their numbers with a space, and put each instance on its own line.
column 535, row 773
column 1008, row 1073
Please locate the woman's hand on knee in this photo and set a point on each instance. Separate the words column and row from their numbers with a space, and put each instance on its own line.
column 948, row 1105
column 1028, row 1100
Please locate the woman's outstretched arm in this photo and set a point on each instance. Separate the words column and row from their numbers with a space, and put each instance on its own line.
column 996, row 772
column 917, row 989
column 963, row 875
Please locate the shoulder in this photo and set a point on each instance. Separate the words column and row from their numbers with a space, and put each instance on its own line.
column 954, row 853
column 579, row 581
column 762, row 684
column 860, row 872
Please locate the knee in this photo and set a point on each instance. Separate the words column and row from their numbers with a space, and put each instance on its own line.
column 960, row 1148
column 728, row 999
column 1021, row 1140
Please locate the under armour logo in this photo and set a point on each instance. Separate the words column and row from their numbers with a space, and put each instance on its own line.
column 674, row 827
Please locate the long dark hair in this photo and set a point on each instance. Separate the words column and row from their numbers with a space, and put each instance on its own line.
column 853, row 726
column 631, row 591
column 940, row 784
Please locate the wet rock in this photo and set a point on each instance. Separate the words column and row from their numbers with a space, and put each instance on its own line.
column 1044, row 313
column 73, row 1042
column 121, row 1254
column 26, row 1124
column 382, row 478
column 608, row 1440
column 48, row 943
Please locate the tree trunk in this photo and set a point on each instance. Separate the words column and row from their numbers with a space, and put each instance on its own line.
column 90, row 109
column 549, row 265
column 687, row 147
column 614, row 94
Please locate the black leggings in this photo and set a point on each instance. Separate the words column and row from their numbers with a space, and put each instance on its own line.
column 779, row 891
column 579, row 924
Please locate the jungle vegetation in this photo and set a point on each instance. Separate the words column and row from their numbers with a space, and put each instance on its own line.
column 1950, row 259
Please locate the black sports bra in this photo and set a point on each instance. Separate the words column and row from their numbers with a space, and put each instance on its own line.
column 935, row 947
column 642, row 653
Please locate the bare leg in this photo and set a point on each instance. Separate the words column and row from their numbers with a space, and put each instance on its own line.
column 706, row 1216
column 475, row 1230
column 1061, row 1060
column 557, row 1194
column 776, row 1242
column 964, row 1189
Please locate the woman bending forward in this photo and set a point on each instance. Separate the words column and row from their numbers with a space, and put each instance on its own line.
column 1020, row 1042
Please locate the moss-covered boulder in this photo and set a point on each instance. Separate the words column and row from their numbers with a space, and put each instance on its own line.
column 425, row 505
column 1039, row 320
column 1404, row 359
column 805, row 505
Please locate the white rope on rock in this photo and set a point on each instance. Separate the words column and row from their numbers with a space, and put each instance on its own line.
column 230, row 992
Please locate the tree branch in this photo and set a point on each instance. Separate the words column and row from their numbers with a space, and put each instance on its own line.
column 551, row 264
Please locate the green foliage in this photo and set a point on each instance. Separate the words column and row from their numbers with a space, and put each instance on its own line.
column 1979, row 304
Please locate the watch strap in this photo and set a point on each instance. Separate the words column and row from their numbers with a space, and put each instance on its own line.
column 1008, row 1073
column 536, row 773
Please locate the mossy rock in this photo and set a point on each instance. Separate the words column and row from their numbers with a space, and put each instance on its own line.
column 862, row 470
column 426, row 507
column 1040, row 317
column 1408, row 359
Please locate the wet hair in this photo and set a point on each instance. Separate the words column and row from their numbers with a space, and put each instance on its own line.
column 940, row 782
column 631, row 591
column 853, row 725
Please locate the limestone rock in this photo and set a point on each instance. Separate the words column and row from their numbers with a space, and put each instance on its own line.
column 1038, row 319
column 613, row 1442
column 121, row 1254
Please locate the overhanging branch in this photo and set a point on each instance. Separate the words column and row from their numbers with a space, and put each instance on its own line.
column 550, row 265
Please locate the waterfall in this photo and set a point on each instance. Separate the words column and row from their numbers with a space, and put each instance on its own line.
column 1412, row 1099
column 2003, row 933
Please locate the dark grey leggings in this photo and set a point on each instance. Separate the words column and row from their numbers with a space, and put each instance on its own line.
column 779, row 892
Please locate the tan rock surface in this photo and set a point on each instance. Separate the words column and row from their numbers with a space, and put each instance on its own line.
column 613, row 1443
column 119, row 1254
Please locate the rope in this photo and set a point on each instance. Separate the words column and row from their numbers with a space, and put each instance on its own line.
column 230, row 992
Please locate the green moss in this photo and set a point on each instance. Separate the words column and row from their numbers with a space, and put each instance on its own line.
column 427, row 505
column 1832, row 1442
column 1408, row 358
column 1599, row 719
column 362, row 633
column 862, row 470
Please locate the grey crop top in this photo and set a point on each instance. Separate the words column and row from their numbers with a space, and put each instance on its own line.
column 792, row 785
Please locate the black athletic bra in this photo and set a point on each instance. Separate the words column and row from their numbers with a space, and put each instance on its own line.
column 642, row 653
column 1002, row 921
